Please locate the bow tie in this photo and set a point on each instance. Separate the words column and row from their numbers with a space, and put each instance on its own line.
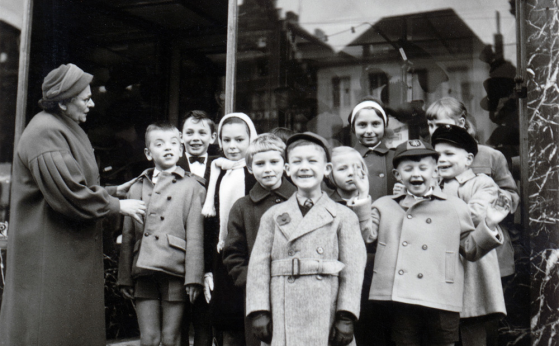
column 200, row 159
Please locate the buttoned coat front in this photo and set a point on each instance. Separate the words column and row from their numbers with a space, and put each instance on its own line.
column 417, row 259
column 171, row 238
column 304, row 269
column 483, row 291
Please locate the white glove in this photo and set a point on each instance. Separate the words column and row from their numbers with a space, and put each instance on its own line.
column 208, row 286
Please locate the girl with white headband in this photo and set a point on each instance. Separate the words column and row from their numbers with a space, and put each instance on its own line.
column 368, row 121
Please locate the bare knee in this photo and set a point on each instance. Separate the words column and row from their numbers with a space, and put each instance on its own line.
column 150, row 338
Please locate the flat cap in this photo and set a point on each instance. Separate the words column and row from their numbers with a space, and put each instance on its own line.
column 413, row 147
column 456, row 136
column 311, row 137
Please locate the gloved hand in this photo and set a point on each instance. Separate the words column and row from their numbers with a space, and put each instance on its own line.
column 208, row 286
column 342, row 330
column 262, row 326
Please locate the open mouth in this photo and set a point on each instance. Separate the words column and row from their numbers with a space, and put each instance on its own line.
column 444, row 166
column 305, row 176
column 169, row 155
column 417, row 182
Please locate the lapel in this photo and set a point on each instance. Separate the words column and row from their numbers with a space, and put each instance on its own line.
column 380, row 149
column 320, row 215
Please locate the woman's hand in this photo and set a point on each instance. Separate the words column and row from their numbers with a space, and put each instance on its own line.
column 122, row 190
column 134, row 208
column 208, row 286
column 193, row 290
column 127, row 292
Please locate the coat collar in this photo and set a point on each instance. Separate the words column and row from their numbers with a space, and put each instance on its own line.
column 335, row 196
column 380, row 149
column 465, row 176
column 258, row 193
column 148, row 173
column 321, row 214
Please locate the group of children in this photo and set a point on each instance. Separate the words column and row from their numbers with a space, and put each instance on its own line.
column 253, row 247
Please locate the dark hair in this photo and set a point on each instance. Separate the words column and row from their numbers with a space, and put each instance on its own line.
column 160, row 125
column 234, row 120
column 197, row 116
column 282, row 132
column 52, row 106
column 415, row 158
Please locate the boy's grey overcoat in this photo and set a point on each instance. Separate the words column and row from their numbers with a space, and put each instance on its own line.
column 303, row 298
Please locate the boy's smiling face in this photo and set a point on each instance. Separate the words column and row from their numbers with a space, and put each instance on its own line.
column 164, row 148
column 307, row 167
column 452, row 160
column 267, row 167
column 369, row 127
column 197, row 136
column 235, row 141
column 417, row 175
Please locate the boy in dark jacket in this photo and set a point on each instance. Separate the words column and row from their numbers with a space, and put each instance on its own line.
column 265, row 159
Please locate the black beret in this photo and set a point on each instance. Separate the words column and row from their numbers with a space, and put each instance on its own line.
column 413, row 147
column 311, row 137
column 456, row 136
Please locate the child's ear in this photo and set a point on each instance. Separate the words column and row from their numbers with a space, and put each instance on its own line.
column 328, row 169
column 397, row 175
column 148, row 154
column 62, row 106
column 181, row 148
column 286, row 168
column 213, row 138
column 249, row 168
column 470, row 159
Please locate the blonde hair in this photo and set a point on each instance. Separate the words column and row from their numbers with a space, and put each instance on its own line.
column 346, row 151
column 449, row 107
column 262, row 143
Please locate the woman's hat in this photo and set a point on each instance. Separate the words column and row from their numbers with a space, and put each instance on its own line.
column 456, row 136
column 65, row 82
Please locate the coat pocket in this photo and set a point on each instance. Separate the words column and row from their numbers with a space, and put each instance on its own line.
column 450, row 266
column 176, row 242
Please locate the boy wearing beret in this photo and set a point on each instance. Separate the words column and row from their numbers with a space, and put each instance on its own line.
column 483, row 293
column 306, row 268
column 421, row 233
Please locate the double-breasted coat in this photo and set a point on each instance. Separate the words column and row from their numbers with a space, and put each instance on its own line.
column 483, row 291
column 304, row 269
column 54, row 283
column 171, row 238
column 419, row 242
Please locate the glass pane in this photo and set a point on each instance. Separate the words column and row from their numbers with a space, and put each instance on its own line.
column 305, row 64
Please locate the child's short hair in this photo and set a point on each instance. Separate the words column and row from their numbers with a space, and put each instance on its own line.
column 197, row 116
column 345, row 151
column 234, row 120
column 159, row 125
column 282, row 132
column 262, row 143
column 449, row 107
column 367, row 102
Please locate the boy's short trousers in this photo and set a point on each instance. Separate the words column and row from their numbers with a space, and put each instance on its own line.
column 160, row 286
column 413, row 323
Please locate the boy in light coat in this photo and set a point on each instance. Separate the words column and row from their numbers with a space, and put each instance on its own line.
column 306, row 267
column 420, row 235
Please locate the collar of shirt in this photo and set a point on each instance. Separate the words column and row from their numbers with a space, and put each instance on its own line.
column 427, row 195
column 301, row 200
column 380, row 148
column 465, row 176
column 157, row 172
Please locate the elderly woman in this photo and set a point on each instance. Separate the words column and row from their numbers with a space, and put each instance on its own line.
column 54, row 284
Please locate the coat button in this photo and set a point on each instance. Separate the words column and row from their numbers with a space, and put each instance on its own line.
column 278, row 200
column 162, row 218
column 291, row 252
column 405, row 243
column 157, row 192
column 149, row 194
column 420, row 276
column 428, row 220
column 174, row 181
column 401, row 272
column 381, row 175
column 156, row 237
column 424, row 247
column 146, row 234
column 290, row 279
column 319, row 277
column 168, row 198
column 320, row 250
column 409, row 216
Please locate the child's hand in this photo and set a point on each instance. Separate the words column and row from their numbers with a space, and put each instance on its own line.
column 208, row 210
column 361, row 181
column 193, row 292
column 208, row 286
column 127, row 292
column 498, row 210
column 262, row 326
column 399, row 188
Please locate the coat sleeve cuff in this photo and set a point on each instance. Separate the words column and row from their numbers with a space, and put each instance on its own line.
column 114, row 205
column 486, row 238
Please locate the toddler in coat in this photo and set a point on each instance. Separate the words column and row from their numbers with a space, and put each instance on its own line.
column 162, row 259
column 306, row 267
column 421, row 232
column 483, row 292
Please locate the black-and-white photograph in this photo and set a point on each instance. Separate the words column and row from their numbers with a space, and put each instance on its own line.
column 279, row 172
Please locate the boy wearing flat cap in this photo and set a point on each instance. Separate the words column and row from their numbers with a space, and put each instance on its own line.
column 483, row 292
column 306, row 268
column 421, row 232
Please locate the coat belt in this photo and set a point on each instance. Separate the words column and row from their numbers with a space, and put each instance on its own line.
column 306, row 266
